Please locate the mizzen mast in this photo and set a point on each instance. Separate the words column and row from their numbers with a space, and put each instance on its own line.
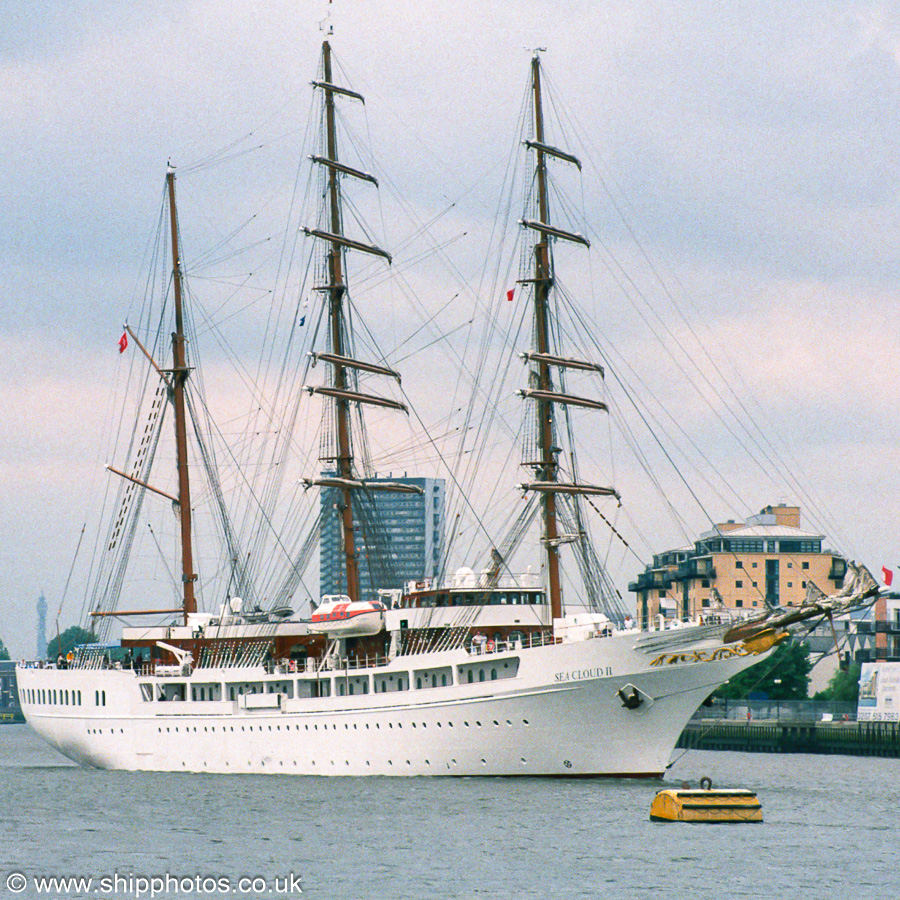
column 180, row 372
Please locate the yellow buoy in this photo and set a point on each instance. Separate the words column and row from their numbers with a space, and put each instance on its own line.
column 707, row 805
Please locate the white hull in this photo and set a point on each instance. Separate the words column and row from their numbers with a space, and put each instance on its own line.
column 559, row 714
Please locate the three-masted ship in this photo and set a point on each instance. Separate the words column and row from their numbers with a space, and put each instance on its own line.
column 486, row 675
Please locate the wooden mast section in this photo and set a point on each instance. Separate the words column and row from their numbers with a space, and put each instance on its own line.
column 542, row 284
column 343, row 390
column 336, row 290
column 546, row 395
column 180, row 372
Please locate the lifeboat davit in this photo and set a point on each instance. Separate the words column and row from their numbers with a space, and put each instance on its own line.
column 340, row 617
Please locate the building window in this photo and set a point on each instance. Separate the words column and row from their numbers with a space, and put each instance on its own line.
column 739, row 602
column 738, row 564
column 739, row 583
column 805, row 565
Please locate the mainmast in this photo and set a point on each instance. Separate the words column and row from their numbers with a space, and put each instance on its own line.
column 343, row 387
column 336, row 289
column 546, row 395
column 180, row 372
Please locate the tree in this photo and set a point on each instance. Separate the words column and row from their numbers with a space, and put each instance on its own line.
column 69, row 640
column 843, row 686
column 782, row 676
column 4, row 653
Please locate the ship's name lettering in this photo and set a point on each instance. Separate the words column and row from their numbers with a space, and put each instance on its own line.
column 582, row 674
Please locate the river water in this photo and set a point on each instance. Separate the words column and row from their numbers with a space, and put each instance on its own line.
column 829, row 832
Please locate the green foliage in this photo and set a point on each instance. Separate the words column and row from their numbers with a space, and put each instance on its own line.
column 68, row 640
column 782, row 676
column 4, row 653
column 843, row 686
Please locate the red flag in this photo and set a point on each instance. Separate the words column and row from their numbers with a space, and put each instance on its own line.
column 509, row 293
column 887, row 575
column 123, row 342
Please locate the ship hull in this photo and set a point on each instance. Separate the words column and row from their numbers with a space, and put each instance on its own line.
column 560, row 713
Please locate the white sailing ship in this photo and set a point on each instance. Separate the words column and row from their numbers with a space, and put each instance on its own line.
column 487, row 675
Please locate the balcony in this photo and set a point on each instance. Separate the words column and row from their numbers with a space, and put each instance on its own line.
column 655, row 579
column 697, row 567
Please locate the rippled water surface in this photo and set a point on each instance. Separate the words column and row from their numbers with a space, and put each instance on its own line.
column 830, row 831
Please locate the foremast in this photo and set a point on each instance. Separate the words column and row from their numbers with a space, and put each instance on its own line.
column 546, row 396
column 343, row 390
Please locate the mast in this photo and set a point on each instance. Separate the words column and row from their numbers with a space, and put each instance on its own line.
column 546, row 395
column 180, row 374
column 547, row 471
column 336, row 289
column 343, row 390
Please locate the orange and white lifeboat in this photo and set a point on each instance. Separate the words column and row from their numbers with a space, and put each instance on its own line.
column 339, row 617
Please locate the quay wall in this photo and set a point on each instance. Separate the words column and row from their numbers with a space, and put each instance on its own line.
column 785, row 736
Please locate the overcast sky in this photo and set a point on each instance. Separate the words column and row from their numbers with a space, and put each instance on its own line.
column 750, row 151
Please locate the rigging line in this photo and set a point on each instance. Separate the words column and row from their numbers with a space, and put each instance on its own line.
column 452, row 475
column 668, row 414
column 290, row 238
column 377, row 276
column 216, row 157
column 441, row 338
column 203, row 260
column 709, row 463
column 683, row 370
column 165, row 563
column 69, row 576
column 191, row 169
column 787, row 470
column 206, row 261
column 572, row 310
column 243, row 478
column 635, row 286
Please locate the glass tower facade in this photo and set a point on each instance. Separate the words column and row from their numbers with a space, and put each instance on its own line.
column 400, row 537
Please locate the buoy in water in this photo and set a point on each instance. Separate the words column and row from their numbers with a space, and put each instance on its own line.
column 726, row 805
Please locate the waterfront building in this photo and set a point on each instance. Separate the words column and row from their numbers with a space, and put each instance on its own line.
column 10, row 710
column 400, row 537
column 739, row 567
